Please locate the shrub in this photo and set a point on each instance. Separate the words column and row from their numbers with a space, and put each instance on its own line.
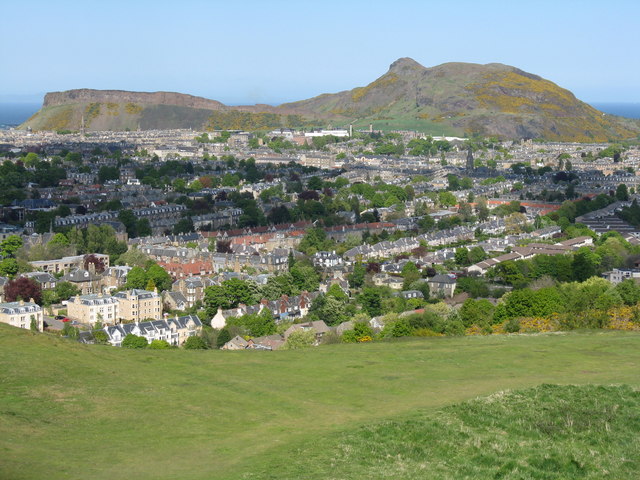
column 512, row 325
column 134, row 341
column 195, row 343
column 159, row 345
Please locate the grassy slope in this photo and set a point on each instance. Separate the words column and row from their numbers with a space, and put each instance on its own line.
column 546, row 432
column 73, row 411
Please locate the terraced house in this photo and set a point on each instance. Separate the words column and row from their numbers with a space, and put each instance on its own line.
column 139, row 305
column 93, row 308
column 22, row 314
column 175, row 330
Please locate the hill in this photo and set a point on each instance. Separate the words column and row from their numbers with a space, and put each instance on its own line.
column 75, row 411
column 467, row 98
column 453, row 99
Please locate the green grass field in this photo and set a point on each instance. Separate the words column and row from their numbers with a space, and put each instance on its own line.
column 73, row 411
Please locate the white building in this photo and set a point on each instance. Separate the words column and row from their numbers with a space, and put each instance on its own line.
column 20, row 314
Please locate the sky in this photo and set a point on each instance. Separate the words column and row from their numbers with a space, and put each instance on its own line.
column 272, row 51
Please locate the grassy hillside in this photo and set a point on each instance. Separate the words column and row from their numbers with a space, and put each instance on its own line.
column 75, row 411
column 546, row 432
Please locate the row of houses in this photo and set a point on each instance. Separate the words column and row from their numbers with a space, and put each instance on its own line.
column 174, row 331
column 283, row 309
column 530, row 251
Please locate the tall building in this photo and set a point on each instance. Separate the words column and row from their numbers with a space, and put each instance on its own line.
column 470, row 164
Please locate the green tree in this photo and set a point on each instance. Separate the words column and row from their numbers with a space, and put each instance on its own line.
column 305, row 278
column 315, row 183
column 129, row 221
column 64, row 291
column 100, row 337
column 159, row 276
column 622, row 194
column 136, row 278
column 134, row 341
column 585, row 263
column 143, row 228
column 371, row 301
column 10, row 245
column 410, row 274
column 216, row 297
column 356, row 278
column 447, row 199
column 159, row 345
column 300, row 339
column 223, row 337
column 194, row 342
column 9, row 267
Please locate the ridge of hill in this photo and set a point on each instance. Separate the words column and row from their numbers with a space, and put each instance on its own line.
column 452, row 98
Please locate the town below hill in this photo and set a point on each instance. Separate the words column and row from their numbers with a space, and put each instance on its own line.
column 284, row 239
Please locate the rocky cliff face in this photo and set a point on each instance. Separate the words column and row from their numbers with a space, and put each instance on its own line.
column 86, row 95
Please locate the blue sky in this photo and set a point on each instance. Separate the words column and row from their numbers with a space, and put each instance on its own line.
column 245, row 52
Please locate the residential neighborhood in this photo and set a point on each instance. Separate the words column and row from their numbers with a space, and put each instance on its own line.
column 261, row 236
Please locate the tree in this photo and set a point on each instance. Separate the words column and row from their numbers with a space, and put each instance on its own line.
column 622, row 194
column 98, row 263
column 300, row 339
column 336, row 291
column 462, row 256
column 304, row 277
column 361, row 332
column 257, row 325
column 223, row 337
column 143, row 227
column 483, row 209
column 10, row 245
column 34, row 324
column 59, row 239
column 585, row 264
column 100, row 337
column 410, row 274
column 215, row 297
column 184, row 225
column 447, row 199
column 64, row 291
column 314, row 241
column 238, row 291
column 315, row 183
column 279, row 285
column 129, row 221
column 133, row 258
column 9, row 267
column 195, row 342
column 159, row 277
column 23, row 288
column 159, row 345
column 629, row 291
column 478, row 312
column 136, row 278
column 356, row 278
column 371, row 301
column 134, row 341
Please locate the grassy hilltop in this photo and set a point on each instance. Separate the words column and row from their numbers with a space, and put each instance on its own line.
column 74, row 411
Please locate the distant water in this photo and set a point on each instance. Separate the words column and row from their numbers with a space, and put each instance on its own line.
column 629, row 110
column 13, row 114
